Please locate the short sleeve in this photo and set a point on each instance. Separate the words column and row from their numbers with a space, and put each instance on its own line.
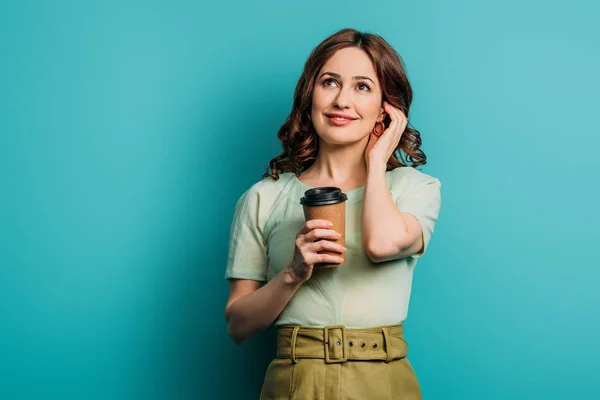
column 247, row 254
column 422, row 199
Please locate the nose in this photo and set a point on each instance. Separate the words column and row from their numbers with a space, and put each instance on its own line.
column 343, row 98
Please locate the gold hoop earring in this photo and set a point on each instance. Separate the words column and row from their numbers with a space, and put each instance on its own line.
column 379, row 132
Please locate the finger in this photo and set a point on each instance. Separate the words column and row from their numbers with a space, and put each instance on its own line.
column 317, row 234
column 401, row 116
column 398, row 114
column 391, row 110
column 325, row 258
column 314, row 224
column 386, row 108
column 398, row 123
column 403, row 126
column 402, row 122
column 393, row 125
column 326, row 245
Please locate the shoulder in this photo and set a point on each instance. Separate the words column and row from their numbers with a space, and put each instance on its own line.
column 259, row 199
column 268, row 187
column 409, row 178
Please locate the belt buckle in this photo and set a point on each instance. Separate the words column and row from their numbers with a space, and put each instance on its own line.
column 328, row 359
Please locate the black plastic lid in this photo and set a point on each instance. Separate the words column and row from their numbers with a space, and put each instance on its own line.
column 323, row 196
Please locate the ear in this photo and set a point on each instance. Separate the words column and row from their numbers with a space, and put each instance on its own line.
column 381, row 115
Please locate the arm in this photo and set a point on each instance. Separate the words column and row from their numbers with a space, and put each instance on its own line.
column 387, row 233
column 252, row 308
column 402, row 228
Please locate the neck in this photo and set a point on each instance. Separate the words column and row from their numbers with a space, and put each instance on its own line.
column 339, row 163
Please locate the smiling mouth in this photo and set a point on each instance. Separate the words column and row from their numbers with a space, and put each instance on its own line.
column 340, row 121
column 341, row 118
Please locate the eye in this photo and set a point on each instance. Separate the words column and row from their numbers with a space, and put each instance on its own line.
column 328, row 82
column 362, row 86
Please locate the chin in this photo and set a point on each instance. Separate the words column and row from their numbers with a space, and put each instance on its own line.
column 340, row 136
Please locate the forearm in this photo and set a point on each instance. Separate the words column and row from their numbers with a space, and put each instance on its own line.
column 384, row 229
column 256, row 311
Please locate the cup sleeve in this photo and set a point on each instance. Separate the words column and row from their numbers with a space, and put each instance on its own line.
column 423, row 201
column 247, row 253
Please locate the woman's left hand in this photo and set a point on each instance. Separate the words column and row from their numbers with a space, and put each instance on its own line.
column 380, row 148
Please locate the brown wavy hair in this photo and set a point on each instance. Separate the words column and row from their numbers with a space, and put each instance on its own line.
column 298, row 136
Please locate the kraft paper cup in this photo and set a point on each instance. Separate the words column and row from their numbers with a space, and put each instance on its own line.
column 327, row 203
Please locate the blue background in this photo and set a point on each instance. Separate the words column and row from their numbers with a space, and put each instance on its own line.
column 130, row 129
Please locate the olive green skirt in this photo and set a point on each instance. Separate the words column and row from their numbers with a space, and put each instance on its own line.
column 338, row 363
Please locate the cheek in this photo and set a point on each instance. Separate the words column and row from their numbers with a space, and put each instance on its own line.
column 369, row 108
column 321, row 102
column 314, row 111
column 320, row 99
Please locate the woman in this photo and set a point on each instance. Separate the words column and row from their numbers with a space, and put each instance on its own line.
column 340, row 329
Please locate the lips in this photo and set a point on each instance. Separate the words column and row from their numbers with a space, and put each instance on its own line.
column 340, row 119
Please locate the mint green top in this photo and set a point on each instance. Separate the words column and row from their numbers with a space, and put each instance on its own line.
column 359, row 293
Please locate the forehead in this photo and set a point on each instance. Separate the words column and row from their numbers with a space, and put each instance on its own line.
column 349, row 62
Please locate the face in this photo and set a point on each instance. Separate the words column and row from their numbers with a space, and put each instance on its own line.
column 347, row 98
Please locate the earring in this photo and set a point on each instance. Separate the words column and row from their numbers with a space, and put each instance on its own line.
column 379, row 132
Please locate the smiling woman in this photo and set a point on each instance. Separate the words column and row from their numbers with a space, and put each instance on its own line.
column 340, row 329
column 374, row 54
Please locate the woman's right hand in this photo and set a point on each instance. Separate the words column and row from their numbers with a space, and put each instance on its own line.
column 308, row 246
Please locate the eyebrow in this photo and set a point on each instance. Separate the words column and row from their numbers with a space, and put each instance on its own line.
column 339, row 76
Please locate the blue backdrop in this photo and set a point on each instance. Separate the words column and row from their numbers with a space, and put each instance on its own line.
column 130, row 128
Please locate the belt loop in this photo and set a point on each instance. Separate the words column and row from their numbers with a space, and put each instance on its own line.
column 341, row 343
column 294, row 336
column 388, row 347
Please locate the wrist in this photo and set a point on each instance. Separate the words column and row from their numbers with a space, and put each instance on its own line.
column 376, row 166
column 289, row 278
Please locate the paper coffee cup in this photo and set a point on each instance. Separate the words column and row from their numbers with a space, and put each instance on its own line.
column 327, row 203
